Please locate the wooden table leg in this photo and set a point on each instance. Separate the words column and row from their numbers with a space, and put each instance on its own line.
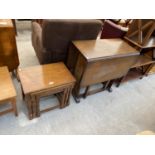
column 76, row 93
column 77, row 99
column 29, row 106
column 69, row 94
column 23, row 95
column 16, row 74
column 63, row 100
column 106, row 85
column 145, row 73
column 14, row 24
column 13, row 102
column 120, row 81
column 34, row 106
column 109, row 86
column 86, row 92
column 37, row 106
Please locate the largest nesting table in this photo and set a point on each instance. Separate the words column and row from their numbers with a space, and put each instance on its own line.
column 43, row 80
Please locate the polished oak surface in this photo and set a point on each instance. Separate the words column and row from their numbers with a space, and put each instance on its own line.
column 104, row 48
column 99, row 61
column 6, row 23
column 7, row 90
column 8, row 47
column 43, row 77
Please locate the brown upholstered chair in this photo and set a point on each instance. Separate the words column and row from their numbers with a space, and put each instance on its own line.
column 51, row 40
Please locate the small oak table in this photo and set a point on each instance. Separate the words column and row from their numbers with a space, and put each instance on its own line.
column 43, row 80
column 7, row 91
column 99, row 61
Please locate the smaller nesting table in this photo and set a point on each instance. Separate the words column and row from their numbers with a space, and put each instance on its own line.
column 43, row 80
column 7, row 91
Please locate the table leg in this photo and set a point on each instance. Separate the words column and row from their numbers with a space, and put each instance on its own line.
column 76, row 93
column 77, row 99
column 37, row 106
column 34, row 106
column 68, row 96
column 145, row 73
column 109, row 86
column 86, row 92
column 63, row 100
column 29, row 106
column 120, row 81
column 13, row 102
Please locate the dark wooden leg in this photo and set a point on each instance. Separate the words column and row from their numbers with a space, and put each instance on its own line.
column 13, row 102
column 76, row 93
column 34, row 105
column 142, row 72
column 120, row 81
column 15, row 74
column 69, row 94
column 37, row 100
column 29, row 106
column 77, row 99
column 64, row 98
column 145, row 73
column 106, row 85
column 14, row 24
column 23, row 95
column 86, row 91
column 109, row 86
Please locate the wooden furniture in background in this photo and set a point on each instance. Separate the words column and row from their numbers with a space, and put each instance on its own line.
column 7, row 91
column 140, row 69
column 40, row 81
column 8, row 48
column 141, row 35
column 98, row 61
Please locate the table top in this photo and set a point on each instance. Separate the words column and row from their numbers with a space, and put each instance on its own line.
column 7, row 90
column 42, row 77
column 6, row 23
column 104, row 48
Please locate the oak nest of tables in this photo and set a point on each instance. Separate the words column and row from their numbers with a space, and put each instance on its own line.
column 7, row 91
column 44, row 80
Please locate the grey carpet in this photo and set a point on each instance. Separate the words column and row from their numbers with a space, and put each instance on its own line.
column 129, row 109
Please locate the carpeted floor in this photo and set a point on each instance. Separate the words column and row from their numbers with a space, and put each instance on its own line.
column 129, row 109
